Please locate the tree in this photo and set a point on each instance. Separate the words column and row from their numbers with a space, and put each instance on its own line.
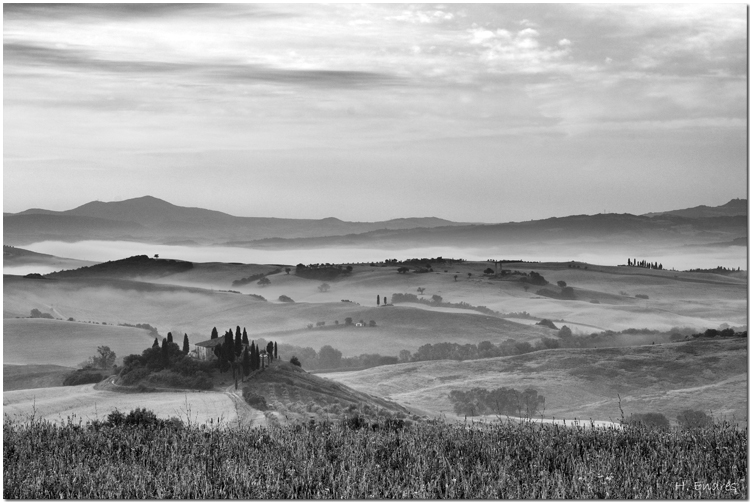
column 252, row 356
column 238, row 343
column 245, row 341
column 437, row 299
column 469, row 274
column 565, row 333
column 694, row 419
column 155, row 344
column 323, row 288
column 489, row 271
column 295, row 361
column 264, row 281
column 214, row 333
column 455, row 278
column 185, row 344
column 402, row 270
column 348, row 321
column 372, row 324
column 105, row 359
column 378, row 300
column 656, row 420
column 275, row 350
column 269, row 351
column 246, row 362
column 404, row 356
column 349, row 269
column 329, row 357
column 169, row 337
column 165, row 352
column 420, row 290
column 562, row 284
column 288, row 270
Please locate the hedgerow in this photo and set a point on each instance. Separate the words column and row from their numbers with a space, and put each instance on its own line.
column 352, row 460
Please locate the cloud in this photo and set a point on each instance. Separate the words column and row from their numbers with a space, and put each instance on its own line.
column 423, row 16
column 521, row 52
column 27, row 55
column 564, row 42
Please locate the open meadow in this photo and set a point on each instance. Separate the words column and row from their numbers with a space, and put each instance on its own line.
column 581, row 383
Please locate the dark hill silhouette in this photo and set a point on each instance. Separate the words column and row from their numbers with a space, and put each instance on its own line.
column 148, row 219
column 154, row 220
column 583, row 229
column 735, row 207
column 135, row 266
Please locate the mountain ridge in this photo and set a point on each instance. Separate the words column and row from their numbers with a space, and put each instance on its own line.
column 149, row 219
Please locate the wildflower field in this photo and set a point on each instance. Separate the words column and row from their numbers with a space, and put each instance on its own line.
column 351, row 459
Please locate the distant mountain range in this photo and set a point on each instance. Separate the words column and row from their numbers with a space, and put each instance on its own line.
column 153, row 220
column 148, row 219
column 735, row 207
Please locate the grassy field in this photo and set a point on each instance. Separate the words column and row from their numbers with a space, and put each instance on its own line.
column 430, row 460
column 583, row 383
column 66, row 343
column 86, row 403
column 33, row 376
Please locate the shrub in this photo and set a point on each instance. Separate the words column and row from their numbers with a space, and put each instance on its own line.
column 82, row 377
column 256, row 401
column 284, row 298
column 547, row 323
column 694, row 419
column 643, row 297
column 37, row 314
column 295, row 361
column 655, row 420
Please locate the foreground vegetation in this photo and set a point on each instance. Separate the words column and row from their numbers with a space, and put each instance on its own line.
column 138, row 456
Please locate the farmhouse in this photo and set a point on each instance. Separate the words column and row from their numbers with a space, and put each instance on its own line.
column 205, row 350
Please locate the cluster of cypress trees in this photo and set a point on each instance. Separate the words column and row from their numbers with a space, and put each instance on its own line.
column 166, row 347
column 237, row 350
column 644, row 264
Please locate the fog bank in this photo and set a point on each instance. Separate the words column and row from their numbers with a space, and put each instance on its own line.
column 682, row 258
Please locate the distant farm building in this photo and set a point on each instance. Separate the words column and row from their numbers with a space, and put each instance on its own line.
column 205, row 350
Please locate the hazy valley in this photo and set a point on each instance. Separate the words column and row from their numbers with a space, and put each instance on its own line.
column 630, row 329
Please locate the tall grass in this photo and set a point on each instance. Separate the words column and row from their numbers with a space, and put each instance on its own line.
column 333, row 460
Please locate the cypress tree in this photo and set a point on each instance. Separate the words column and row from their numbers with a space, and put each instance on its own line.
column 156, row 343
column 269, row 351
column 244, row 337
column 238, row 344
column 378, row 300
column 169, row 337
column 275, row 350
column 165, row 352
column 185, row 345
column 246, row 362
column 214, row 333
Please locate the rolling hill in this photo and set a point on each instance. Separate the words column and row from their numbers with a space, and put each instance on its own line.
column 581, row 383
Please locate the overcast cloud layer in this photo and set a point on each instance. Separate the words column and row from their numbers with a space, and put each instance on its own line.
column 368, row 112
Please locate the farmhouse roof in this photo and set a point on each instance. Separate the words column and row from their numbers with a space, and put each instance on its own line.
column 211, row 343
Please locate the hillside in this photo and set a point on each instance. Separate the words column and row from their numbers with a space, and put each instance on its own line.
column 581, row 383
column 297, row 396
column 67, row 343
column 33, row 376
column 127, row 268
column 735, row 207
column 21, row 261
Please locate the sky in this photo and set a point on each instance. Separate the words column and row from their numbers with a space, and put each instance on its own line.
column 469, row 112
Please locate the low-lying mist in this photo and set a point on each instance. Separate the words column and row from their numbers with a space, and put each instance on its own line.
column 679, row 258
